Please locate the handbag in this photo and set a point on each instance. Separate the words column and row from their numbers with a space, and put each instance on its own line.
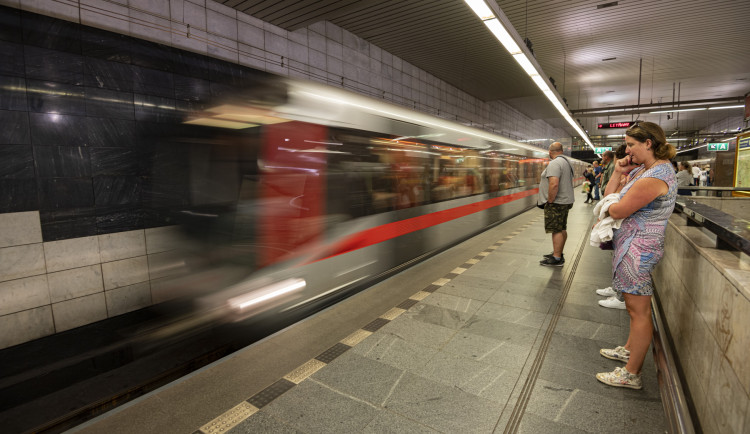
column 541, row 205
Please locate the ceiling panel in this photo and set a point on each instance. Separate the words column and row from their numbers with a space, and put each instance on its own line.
column 677, row 49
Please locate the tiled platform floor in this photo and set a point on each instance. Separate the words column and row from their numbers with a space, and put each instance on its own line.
column 460, row 359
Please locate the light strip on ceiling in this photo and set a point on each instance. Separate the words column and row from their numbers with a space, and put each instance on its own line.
column 679, row 110
column 493, row 22
column 727, row 107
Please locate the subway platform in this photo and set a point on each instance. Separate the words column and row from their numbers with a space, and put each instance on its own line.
column 479, row 338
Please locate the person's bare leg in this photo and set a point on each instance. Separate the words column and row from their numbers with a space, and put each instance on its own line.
column 558, row 243
column 641, row 330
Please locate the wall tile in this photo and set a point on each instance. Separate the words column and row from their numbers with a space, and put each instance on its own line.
column 73, row 253
column 15, row 129
column 149, row 27
column 727, row 398
column 67, row 224
column 62, row 161
column 79, row 311
column 65, row 193
column 737, row 350
column 53, row 65
column 128, row 298
column 12, row 90
column 125, row 272
column 104, row 14
column 26, row 325
column 21, row 261
column 20, row 228
column 18, row 162
column 55, row 98
column 222, row 23
column 57, row 129
column 166, row 264
column 109, row 103
column 23, row 294
column 74, row 283
column 45, row 31
column 122, row 245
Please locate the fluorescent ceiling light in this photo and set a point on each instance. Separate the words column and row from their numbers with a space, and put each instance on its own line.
column 503, row 36
column 679, row 110
column 481, row 9
column 525, row 64
column 541, row 83
column 727, row 107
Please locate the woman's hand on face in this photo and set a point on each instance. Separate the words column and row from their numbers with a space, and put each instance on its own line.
column 624, row 165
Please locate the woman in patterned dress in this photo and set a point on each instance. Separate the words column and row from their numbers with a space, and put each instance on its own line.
column 647, row 197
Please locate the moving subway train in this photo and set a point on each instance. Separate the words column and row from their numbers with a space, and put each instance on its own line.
column 306, row 192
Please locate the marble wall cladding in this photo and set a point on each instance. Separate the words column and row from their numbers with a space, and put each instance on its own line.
column 73, row 253
column 122, row 245
column 20, row 228
column 79, row 311
column 708, row 316
column 125, row 272
column 27, row 325
column 13, row 93
column 74, row 283
column 21, row 261
column 23, row 294
column 128, row 298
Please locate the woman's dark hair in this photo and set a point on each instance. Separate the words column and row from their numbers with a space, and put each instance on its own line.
column 643, row 131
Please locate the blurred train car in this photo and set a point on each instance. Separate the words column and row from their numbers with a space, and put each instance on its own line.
column 303, row 192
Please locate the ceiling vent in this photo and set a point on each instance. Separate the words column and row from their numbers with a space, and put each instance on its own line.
column 606, row 5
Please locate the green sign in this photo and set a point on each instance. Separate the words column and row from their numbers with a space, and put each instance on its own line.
column 602, row 150
column 718, row 146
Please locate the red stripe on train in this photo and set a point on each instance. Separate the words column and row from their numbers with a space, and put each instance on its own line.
column 389, row 231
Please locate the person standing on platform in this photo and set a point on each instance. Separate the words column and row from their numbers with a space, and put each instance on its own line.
column 589, row 175
column 609, row 167
column 557, row 195
column 614, row 300
column 684, row 178
column 696, row 174
column 647, row 198
column 598, row 169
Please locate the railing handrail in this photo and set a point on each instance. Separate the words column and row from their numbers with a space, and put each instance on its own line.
column 730, row 231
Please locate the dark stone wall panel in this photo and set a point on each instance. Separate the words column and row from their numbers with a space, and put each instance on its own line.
column 10, row 25
column 109, row 103
column 13, row 61
column 17, row 162
column 62, row 225
column 57, row 130
column 152, row 82
column 110, row 221
column 105, row 45
column 53, row 65
column 65, row 193
column 156, row 109
column 15, row 128
column 51, row 97
column 48, row 32
column 62, row 161
column 109, row 133
column 117, row 161
column 117, row 190
column 18, row 195
column 191, row 89
column 108, row 75
column 153, row 55
column 13, row 93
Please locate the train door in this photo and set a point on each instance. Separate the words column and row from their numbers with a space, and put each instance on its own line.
column 292, row 189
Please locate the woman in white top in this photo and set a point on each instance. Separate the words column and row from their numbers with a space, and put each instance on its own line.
column 684, row 178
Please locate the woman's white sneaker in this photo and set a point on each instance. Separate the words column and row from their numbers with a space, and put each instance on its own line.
column 606, row 292
column 617, row 353
column 620, row 377
column 612, row 303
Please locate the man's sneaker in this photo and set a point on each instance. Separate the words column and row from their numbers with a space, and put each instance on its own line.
column 612, row 303
column 552, row 262
column 620, row 377
column 552, row 256
column 618, row 353
column 606, row 292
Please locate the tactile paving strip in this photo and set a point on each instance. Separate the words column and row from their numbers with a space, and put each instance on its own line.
column 249, row 407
